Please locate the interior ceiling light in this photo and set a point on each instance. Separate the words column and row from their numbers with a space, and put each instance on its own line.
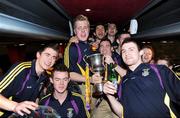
column 21, row 44
column 87, row 10
column 163, row 41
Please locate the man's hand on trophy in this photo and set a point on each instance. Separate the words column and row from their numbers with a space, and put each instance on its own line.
column 108, row 59
column 96, row 78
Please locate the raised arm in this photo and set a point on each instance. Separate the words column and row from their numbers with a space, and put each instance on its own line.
column 19, row 108
column 110, row 90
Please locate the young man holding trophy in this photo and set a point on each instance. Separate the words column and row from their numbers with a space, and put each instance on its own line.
column 111, row 62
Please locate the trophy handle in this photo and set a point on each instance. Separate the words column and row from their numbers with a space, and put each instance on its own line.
column 85, row 59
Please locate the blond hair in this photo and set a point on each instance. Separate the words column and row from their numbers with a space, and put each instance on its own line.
column 81, row 18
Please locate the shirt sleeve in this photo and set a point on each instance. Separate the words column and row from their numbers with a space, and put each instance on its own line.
column 171, row 83
column 66, row 55
column 73, row 58
column 10, row 81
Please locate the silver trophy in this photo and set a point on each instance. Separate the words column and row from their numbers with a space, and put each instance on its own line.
column 95, row 62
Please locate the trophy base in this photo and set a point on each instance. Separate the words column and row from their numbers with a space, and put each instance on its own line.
column 98, row 90
column 97, row 94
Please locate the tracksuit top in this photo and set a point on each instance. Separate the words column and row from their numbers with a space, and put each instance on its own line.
column 22, row 83
column 68, row 109
column 142, row 95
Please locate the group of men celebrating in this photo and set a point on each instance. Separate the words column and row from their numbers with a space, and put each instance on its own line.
column 143, row 89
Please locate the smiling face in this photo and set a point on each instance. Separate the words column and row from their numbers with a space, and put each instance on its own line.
column 82, row 30
column 46, row 59
column 100, row 31
column 131, row 54
column 60, row 82
column 112, row 30
column 105, row 48
column 147, row 56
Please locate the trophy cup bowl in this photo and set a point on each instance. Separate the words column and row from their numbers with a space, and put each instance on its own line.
column 95, row 62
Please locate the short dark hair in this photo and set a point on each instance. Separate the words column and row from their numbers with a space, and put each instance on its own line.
column 111, row 24
column 54, row 46
column 100, row 24
column 60, row 67
column 130, row 40
column 123, row 32
column 105, row 39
